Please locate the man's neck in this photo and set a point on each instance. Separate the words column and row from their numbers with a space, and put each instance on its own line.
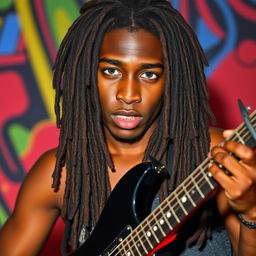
column 118, row 148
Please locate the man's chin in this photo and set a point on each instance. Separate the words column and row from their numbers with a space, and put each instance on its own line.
column 127, row 139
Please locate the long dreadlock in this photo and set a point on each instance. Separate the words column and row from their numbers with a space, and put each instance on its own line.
column 82, row 147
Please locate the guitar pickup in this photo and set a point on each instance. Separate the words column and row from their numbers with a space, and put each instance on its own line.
column 123, row 234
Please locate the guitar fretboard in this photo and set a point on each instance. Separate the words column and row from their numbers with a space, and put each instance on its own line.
column 178, row 205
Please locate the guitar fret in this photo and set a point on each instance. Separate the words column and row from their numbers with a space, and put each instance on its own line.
column 239, row 137
column 157, row 227
column 123, row 250
column 204, row 186
column 172, row 219
column 151, row 234
column 134, row 245
column 168, row 216
column 185, row 198
column 138, row 244
column 136, row 252
column 207, row 179
column 131, row 245
column 197, row 187
column 246, row 133
column 188, row 196
column 153, row 228
column 193, row 192
column 141, row 246
column 150, row 238
column 180, row 204
column 127, row 249
column 175, row 215
column 165, row 220
column 147, row 238
column 146, row 244
column 117, row 251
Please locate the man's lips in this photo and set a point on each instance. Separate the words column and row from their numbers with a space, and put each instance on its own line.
column 127, row 119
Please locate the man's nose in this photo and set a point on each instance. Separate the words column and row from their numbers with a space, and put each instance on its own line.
column 129, row 90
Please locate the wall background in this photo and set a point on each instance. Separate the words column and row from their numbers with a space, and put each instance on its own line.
column 30, row 33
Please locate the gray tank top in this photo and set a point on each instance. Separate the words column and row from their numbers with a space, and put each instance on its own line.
column 218, row 245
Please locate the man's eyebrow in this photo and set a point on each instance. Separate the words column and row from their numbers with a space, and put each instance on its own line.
column 144, row 65
column 152, row 65
column 110, row 61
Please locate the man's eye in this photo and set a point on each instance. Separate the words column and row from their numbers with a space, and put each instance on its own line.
column 149, row 75
column 111, row 72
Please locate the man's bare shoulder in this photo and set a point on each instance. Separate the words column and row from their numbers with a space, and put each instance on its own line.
column 37, row 208
column 39, row 179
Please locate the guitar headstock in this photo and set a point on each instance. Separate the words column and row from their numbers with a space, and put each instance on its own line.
column 245, row 133
column 249, row 121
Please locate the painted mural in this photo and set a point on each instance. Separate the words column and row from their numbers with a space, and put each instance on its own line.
column 30, row 33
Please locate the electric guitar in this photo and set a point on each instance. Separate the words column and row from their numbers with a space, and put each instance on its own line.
column 127, row 227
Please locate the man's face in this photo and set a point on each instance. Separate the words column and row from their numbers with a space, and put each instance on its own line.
column 130, row 83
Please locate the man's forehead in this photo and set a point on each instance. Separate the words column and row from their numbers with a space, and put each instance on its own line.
column 122, row 42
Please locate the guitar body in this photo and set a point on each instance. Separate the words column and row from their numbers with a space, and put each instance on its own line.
column 129, row 203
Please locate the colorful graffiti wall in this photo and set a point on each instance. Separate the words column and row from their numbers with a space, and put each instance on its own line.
column 30, row 33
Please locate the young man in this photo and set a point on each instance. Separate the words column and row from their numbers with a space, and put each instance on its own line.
column 130, row 76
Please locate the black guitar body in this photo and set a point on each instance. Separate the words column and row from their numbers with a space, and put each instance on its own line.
column 129, row 203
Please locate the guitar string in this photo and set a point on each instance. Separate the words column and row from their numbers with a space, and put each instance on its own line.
column 233, row 135
column 204, row 164
column 154, row 220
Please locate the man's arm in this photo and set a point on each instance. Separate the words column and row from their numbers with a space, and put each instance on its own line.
column 37, row 208
column 237, row 193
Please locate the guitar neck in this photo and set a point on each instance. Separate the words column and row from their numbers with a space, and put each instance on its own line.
column 181, row 203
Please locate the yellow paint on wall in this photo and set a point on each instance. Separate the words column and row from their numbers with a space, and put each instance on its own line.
column 62, row 21
column 37, row 56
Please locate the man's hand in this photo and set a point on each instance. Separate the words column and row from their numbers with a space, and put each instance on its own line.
column 240, row 183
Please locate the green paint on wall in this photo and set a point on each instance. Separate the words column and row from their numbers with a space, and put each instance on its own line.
column 19, row 137
column 62, row 23
column 60, row 14
column 3, row 216
column 5, row 4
